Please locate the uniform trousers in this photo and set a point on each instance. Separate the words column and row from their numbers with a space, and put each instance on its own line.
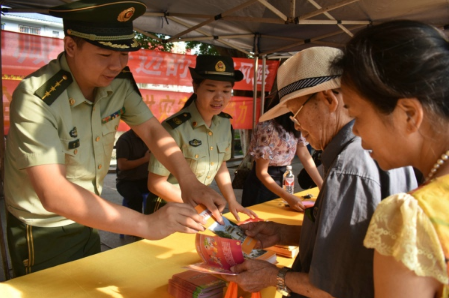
column 36, row 248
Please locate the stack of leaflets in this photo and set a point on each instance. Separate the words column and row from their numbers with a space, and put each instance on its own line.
column 287, row 251
column 230, row 247
column 194, row 284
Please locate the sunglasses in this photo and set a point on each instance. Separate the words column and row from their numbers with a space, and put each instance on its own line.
column 293, row 118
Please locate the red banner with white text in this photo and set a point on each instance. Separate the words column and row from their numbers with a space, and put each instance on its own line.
column 22, row 54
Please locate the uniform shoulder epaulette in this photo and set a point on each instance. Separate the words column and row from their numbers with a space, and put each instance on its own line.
column 52, row 88
column 225, row 115
column 177, row 120
column 127, row 74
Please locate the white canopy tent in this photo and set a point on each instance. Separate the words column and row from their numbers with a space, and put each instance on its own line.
column 264, row 29
column 267, row 27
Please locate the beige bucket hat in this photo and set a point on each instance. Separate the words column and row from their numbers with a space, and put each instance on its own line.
column 306, row 72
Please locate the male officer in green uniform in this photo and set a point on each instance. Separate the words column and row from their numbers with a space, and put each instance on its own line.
column 63, row 122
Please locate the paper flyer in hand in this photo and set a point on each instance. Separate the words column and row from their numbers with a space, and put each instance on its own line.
column 308, row 203
column 229, row 247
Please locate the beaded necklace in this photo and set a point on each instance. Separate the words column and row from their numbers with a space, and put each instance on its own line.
column 437, row 165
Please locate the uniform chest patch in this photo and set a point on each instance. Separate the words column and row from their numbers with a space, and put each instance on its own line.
column 73, row 133
column 195, row 143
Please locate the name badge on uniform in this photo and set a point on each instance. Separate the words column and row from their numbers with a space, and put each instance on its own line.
column 74, row 144
column 195, row 143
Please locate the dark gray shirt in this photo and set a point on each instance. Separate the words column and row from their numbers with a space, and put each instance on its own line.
column 131, row 147
column 331, row 245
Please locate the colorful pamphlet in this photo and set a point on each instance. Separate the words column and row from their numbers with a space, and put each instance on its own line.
column 308, row 203
column 229, row 247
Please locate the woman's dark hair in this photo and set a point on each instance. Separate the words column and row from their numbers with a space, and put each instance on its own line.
column 398, row 59
column 193, row 96
column 283, row 120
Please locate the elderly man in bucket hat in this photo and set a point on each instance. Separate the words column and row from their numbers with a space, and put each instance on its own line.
column 63, row 122
column 332, row 261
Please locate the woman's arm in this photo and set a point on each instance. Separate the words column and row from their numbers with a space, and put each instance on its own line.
column 393, row 280
column 309, row 165
column 268, row 181
column 159, row 185
column 224, row 183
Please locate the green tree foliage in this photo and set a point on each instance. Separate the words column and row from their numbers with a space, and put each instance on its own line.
column 202, row 48
column 154, row 44
column 149, row 43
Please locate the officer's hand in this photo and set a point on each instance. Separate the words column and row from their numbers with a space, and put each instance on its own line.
column 235, row 208
column 266, row 233
column 174, row 217
column 254, row 275
column 196, row 193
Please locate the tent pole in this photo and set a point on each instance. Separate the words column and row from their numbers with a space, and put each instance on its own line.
column 256, row 62
column 262, row 90
column 2, row 175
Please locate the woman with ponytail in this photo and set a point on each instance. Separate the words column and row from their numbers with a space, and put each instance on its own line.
column 203, row 132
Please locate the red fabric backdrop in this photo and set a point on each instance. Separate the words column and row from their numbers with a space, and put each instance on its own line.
column 24, row 53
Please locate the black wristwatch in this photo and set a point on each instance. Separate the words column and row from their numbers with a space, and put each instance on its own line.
column 281, row 287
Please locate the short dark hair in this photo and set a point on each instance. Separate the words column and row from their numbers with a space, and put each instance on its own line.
column 398, row 59
column 78, row 40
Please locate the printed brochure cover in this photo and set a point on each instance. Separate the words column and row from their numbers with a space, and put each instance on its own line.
column 229, row 247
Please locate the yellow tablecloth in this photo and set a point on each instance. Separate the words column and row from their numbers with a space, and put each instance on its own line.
column 140, row 269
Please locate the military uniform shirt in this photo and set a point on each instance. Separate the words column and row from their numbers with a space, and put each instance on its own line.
column 68, row 130
column 204, row 148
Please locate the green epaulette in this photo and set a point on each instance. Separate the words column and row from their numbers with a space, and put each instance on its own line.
column 127, row 74
column 178, row 120
column 225, row 115
column 52, row 88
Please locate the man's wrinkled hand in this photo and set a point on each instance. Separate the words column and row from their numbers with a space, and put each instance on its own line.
column 266, row 233
column 253, row 275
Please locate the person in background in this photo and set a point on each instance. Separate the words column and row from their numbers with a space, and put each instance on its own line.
column 395, row 85
column 273, row 145
column 332, row 261
column 133, row 157
column 203, row 132
column 63, row 119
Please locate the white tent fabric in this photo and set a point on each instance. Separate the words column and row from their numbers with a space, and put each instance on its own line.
column 268, row 27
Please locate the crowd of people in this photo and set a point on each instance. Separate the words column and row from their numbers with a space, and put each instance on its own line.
column 378, row 110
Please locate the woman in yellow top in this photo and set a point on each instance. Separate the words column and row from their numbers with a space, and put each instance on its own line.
column 395, row 85
column 203, row 132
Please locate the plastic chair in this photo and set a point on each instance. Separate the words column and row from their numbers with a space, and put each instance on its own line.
column 144, row 200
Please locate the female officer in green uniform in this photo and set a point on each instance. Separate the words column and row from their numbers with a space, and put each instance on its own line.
column 203, row 132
